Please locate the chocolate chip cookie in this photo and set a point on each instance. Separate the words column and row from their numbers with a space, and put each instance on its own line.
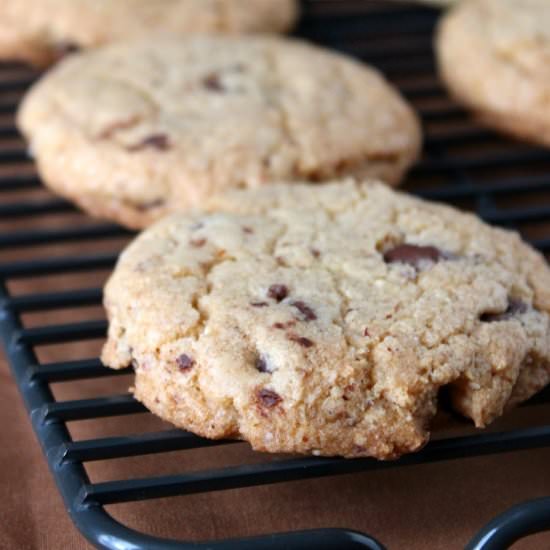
column 494, row 56
column 134, row 131
column 41, row 31
column 328, row 319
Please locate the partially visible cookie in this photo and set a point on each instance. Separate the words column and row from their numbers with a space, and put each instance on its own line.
column 327, row 319
column 494, row 56
column 40, row 31
column 134, row 131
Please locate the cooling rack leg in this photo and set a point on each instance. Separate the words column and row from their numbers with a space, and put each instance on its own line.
column 519, row 521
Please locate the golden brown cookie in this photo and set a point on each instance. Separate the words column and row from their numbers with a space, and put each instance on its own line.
column 494, row 56
column 327, row 319
column 137, row 130
column 41, row 31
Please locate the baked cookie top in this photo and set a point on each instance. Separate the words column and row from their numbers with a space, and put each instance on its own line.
column 495, row 56
column 40, row 30
column 136, row 130
column 327, row 319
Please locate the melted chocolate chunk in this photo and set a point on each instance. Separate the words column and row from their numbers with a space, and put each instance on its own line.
column 213, row 83
column 185, row 363
column 305, row 310
column 302, row 340
column 277, row 292
column 413, row 254
column 160, row 142
column 259, row 304
column 515, row 306
column 268, row 398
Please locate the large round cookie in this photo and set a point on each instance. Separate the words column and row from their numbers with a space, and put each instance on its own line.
column 494, row 56
column 40, row 31
column 327, row 319
column 134, row 131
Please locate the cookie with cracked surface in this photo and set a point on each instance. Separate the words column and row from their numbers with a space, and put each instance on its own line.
column 41, row 31
column 494, row 56
column 135, row 131
column 325, row 320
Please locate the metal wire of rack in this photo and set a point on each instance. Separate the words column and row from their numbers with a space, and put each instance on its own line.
column 505, row 182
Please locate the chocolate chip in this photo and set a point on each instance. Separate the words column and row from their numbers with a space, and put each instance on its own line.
column 302, row 340
column 263, row 365
column 248, row 230
column 62, row 49
column 366, row 332
column 277, row 292
column 154, row 141
column 514, row 306
column 185, row 363
column 197, row 243
column 144, row 206
column 259, row 304
column 315, row 253
column 283, row 326
column 268, row 398
column 305, row 310
column 413, row 254
column 213, row 83
column 110, row 130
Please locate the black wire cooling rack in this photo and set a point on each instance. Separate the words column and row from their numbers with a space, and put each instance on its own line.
column 505, row 182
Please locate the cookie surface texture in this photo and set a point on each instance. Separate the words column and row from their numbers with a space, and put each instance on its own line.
column 136, row 131
column 327, row 320
column 494, row 56
column 40, row 31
